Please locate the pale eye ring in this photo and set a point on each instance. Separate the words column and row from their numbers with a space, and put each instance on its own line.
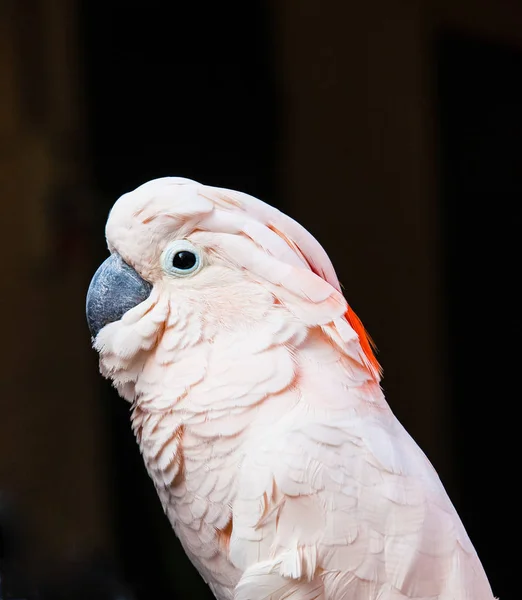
column 181, row 258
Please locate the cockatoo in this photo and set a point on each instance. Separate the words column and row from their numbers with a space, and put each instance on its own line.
column 257, row 407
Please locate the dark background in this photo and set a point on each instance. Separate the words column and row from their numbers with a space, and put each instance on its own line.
column 391, row 131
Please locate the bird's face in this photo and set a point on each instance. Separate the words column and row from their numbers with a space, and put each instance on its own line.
column 178, row 274
column 189, row 262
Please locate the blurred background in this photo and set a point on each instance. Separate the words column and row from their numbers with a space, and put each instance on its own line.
column 391, row 129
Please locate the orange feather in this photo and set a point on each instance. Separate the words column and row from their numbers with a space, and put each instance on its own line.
column 367, row 344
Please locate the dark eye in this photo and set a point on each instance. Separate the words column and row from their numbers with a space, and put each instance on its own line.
column 184, row 260
column 181, row 258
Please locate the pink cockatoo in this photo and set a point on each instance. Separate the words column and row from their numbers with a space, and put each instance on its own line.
column 257, row 407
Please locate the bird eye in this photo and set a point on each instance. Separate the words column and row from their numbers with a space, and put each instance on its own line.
column 181, row 258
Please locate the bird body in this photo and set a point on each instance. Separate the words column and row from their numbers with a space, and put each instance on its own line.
column 257, row 406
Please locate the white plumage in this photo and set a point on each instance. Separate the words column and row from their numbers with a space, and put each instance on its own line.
column 258, row 410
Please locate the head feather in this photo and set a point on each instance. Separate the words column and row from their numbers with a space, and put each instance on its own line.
column 305, row 247
column 187, row 207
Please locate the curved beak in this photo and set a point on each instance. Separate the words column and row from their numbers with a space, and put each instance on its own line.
column 114, row 289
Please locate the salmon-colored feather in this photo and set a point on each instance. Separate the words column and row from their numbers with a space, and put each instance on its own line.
column 367, row 344
column 259, row 414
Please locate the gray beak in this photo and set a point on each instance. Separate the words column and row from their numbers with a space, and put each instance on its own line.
column 114, row 289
